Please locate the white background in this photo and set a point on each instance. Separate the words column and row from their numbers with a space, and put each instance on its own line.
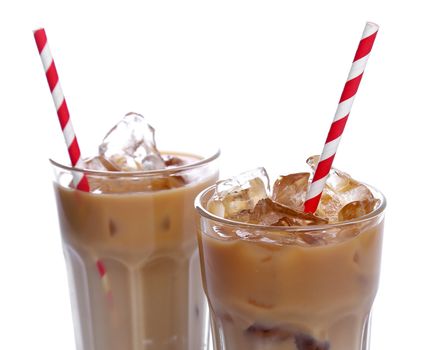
column 264, row 78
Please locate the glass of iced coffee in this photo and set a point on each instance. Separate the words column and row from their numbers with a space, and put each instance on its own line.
column 277, row 278
column 130, row 243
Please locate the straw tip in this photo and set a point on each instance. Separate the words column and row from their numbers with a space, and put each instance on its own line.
column 41, row 29
column 373, row 25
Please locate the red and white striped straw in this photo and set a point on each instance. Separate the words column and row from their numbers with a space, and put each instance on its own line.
column 79, row 179
column 343, row 110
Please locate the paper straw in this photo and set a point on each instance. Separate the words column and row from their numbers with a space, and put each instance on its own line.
column 80, row 181
column 341, row 115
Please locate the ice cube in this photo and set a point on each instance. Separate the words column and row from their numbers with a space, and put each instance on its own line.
column 339, row 181
column 173, row 161
column 270, row 213
column 329, row 205
column 94, row 163
column 357, row 209
column 347, row 188
column 340, row 190
column 291, row 190
column 216, row 207
column 239, row 193
column 343, row 190
column 313, row 161
column 130, row 146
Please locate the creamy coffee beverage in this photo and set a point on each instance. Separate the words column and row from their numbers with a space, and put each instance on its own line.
column 130, row 244
column 277, row 278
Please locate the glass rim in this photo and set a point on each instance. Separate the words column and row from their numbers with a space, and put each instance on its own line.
column 309, row 228
column 140, row 173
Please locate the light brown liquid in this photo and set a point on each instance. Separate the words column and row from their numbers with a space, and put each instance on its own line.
column 151, row 296
column 269, row 294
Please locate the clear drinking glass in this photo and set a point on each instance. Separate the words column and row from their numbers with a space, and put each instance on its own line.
column 132, row 257
column 290, row 288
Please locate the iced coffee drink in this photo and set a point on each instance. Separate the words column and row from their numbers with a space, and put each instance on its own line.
column 277, row 278
column 130, row 244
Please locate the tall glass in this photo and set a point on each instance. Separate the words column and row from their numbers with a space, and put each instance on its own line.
column 290, row 288
column 132, row 257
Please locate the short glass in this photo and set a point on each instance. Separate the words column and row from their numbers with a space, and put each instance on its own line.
column 132, row 258
column 287, row 288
